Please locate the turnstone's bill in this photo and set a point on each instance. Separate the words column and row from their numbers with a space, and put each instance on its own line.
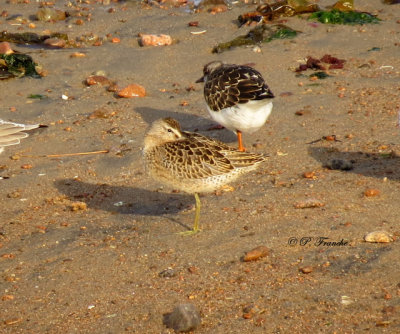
column 237, row 97
column 11, row 133
column 191, row 162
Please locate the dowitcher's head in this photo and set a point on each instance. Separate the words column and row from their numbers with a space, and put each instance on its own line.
column 162, row 131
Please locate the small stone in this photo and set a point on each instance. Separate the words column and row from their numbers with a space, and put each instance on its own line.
column 183, row 318
column 26, row 166
column 193, row 24
column 97, row 80
column 78, row 55
column 133, row 90
column 309, row 203
column 371, row 192
column 55, row 42
column 309, row 175
column 256, row 254
column 5, row 48
column 306, row 270
column 78, row 206
column 50, row 15
column 115, row 40
column 154, row 40
column 218, row 9
column 339, row 164
column 167, row 273
column 378, row 236
column 14, row 194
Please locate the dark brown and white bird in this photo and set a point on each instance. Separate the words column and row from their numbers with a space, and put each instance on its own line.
column 12, row 133
column 237, row 97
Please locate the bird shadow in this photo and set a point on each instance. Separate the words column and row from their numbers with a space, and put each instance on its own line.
column 377, row 165
column 122, row 199
column 188, row 122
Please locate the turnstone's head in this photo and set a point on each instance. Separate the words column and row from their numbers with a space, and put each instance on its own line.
column 163, row 131
column 209, row 68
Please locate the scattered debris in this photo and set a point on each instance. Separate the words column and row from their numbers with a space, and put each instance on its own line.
column 154, row 40
column 256, row 253
column 309, row 203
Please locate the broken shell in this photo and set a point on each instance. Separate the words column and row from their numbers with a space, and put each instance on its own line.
column 371, row 192
column 378, row 236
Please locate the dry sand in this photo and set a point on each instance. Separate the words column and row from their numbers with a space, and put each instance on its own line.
column 97, row 270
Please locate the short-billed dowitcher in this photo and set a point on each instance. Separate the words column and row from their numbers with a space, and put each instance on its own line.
column 191, row 162
column 11, row 133
column 237, row 97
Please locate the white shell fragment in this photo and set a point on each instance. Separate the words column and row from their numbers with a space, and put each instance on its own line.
column 378, row 236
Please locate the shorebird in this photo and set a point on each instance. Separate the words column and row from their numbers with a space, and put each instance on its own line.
column 237, row 97
column 191, row 162
column 11, row 133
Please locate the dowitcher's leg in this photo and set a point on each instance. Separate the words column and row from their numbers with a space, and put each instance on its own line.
column 239, row 136
column 196, row 217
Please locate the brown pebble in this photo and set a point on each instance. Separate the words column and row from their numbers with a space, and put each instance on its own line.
column 78, row 206
column 256, row 254
column 378, row 236
column 132, row 90
column 55, row 42
column 7, row 297
column 309, row 203
column 79, row 22
column 115, row 40
column 5, row 48
column 78, row 55
column 193, row 24
column 154, row 40
column 97, row 80
column 218, row 9
column 26, row 166
column 309, row 175
column 371, row 192
column 306, row 270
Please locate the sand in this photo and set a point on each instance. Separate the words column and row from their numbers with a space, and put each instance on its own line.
column 84, row 238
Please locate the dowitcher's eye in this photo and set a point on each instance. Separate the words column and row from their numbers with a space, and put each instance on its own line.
column 169, row 130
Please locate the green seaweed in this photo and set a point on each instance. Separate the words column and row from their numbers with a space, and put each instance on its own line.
column 335, row 16
column 37, row 96
column 260, row 34
column 29, row 37
column 320, row 75
column 17, row 65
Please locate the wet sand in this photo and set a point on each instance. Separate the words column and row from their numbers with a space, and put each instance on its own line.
column 96, row 269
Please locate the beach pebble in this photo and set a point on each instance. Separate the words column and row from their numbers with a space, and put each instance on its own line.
column 371, row 192
column 339, row 164
column 218, row 9
column 5, row 48
column 154, row 40
column 378, row 236
column 306, row 270
column 184, row 318
column 256, row 254
column 78, row 55
column 55, row 42
column 78, row 206
column 167, row 273
column 97, row 80
column 132, row 90
column 50, row 15
column 309, row 203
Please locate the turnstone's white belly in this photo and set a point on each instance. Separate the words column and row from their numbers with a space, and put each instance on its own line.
column 237, row 97
column 248, row 117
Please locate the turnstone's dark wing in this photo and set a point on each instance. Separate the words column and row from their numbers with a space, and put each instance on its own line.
column 229, row 85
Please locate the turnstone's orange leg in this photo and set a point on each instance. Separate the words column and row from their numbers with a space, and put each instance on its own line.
column 239, row 135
